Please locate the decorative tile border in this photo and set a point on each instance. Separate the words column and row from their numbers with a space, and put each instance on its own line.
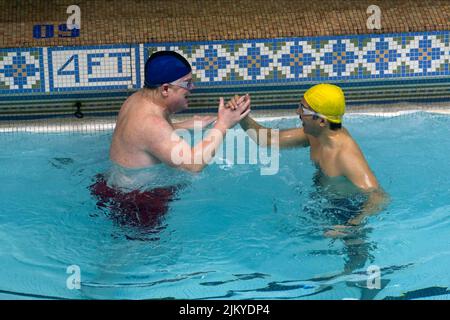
column 316, row 59
column 22, row 71
column 229, row 63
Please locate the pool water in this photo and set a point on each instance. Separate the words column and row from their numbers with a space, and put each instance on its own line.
column 230, row 232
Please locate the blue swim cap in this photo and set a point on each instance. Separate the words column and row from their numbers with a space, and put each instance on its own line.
column 165, row 67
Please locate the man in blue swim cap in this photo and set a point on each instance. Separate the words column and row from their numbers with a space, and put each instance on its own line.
column 144, row 133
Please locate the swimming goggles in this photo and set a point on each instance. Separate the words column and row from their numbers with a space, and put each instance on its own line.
column 187, row 84
column 308, row 112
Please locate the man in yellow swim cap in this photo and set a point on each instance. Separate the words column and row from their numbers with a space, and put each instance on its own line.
column 332, row 147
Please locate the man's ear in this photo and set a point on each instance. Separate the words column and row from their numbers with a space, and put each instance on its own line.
column 165, row 89
column 323, row 122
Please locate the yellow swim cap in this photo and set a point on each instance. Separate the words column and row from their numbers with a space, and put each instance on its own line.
column 328, row 100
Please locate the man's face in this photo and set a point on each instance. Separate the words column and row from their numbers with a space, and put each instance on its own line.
column 181, row 89
column 309, row 118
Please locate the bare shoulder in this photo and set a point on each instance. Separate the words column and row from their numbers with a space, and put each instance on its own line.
column 129, row 104
column 354, row 166
column 350, row 154
column 142, row 118
column 139, row 127
column 152, row 126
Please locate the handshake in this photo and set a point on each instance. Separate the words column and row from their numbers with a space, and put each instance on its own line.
column 227, row 117
column 234, row 111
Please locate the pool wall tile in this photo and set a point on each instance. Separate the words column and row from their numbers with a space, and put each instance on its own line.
column 31, row 74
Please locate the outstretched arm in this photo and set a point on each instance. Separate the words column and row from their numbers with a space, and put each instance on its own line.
column 195, row 121
column 164, row 143
column 264, row 136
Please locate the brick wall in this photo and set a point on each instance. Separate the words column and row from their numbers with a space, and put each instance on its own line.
column 140, row 21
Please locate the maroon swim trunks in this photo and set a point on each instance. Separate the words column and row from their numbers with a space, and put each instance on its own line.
column 136, row 208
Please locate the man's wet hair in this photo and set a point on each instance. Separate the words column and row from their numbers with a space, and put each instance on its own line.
column 335, row 126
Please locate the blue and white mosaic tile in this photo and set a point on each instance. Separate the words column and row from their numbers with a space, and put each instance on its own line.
column 296, row 59
column 21, row 71
column 111, row 67
column 230, row 63
column 316, row 59
column 212, row 62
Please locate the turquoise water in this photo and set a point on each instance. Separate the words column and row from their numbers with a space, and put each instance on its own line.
column 231, row 233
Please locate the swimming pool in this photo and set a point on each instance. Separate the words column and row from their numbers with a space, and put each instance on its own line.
column 230, row 232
